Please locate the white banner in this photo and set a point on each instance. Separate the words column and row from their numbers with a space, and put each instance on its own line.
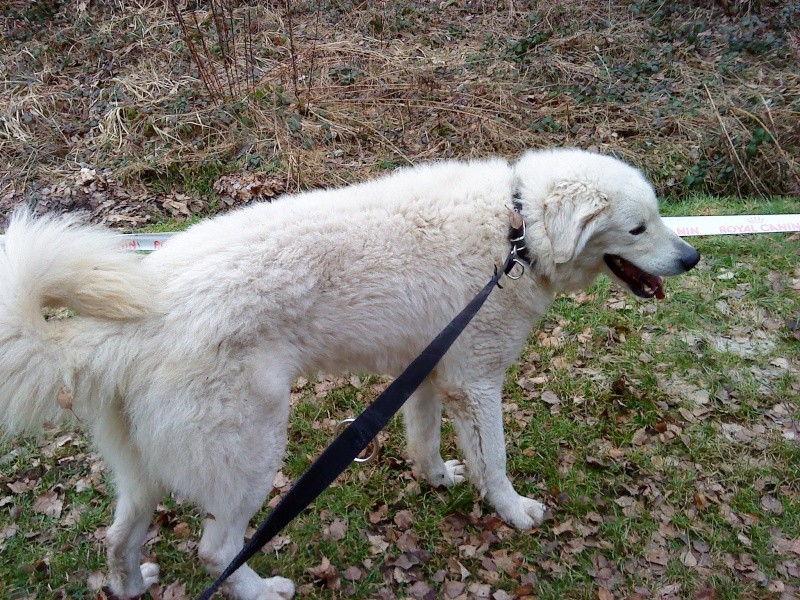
column 731, row 225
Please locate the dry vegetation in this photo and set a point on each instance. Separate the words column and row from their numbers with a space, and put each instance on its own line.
column 333, row 91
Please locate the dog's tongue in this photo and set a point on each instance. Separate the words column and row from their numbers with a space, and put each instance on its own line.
column 642, row 279
column 641, row 282
column 658, row 285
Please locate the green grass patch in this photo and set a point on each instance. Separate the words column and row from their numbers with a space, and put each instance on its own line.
column 660, row 434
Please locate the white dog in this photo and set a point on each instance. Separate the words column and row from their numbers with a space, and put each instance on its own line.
column 182, row 361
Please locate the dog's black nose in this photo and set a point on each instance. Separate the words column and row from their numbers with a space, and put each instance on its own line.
column 689, row 258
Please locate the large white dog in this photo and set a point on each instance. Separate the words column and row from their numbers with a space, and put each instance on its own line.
column 182, row 361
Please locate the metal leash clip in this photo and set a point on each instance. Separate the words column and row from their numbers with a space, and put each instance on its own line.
column 371, row 449
column 517, row 263
column 515, row 248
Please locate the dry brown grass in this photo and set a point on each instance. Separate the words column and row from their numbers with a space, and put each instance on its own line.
column 702, row 101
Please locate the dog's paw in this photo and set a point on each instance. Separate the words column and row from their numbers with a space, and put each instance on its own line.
column 456, row 472
column 131, row 587
column 277, row 588
column 522, row 513
column 445, row 474
column 150, row 573
column 110, row 594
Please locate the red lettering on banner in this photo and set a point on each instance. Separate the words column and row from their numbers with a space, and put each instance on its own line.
column 736, row 229
column 156, row 244
column 687, row 230
column 130, row 245
column 776, row 227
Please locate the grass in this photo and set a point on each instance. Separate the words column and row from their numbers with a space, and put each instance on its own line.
column 664, row 460
column 704, row 205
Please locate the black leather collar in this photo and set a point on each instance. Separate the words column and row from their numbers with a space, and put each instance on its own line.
column 516, row 233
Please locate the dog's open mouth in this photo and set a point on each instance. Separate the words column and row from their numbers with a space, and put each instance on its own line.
column 642, row 283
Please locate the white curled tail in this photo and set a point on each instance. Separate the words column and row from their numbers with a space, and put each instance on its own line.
column 57, row 262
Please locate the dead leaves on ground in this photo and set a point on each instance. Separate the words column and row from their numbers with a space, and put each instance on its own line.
column 243, row 188
column 173, row 591
column 689, row 412
column 64, row 457
column 49, row 504
column 475, row 566
column 479, row 560
column 107, row 201
column 696, row 519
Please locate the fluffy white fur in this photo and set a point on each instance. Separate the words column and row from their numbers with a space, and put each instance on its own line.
column 182, row 361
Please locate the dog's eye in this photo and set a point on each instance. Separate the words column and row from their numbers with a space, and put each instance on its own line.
column 638, row 230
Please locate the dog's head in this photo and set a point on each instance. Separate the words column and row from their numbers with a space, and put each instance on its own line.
column 590, row 213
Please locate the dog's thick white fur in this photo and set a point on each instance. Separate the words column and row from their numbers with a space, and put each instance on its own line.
column 181, row 362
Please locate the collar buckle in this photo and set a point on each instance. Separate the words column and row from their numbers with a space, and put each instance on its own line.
column 520, row 255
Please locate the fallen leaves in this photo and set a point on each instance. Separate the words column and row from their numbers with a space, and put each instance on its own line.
column 776, row 281
column 336, row 530
column 7, row 532
column 550, row 398
column 642, row 449
column 174, row 591
column 656, row 554
column 65, row 397
column 780, row 544
column 377, row 544
column 565, row 527
column 604, row 594
column 631, row 507
column 770, row 504
column 379, row 515
column 49, row 504
column 326, row 574
column 403, row 519
column 246, row 187
column 106, row 200
column 181, row 530
column 453, row 589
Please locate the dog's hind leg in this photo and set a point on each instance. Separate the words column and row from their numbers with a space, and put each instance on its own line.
column 128, row 576
column 223, row 533
column 137, row 497
column 239, row 470
column 423, row 417
column 478, row 418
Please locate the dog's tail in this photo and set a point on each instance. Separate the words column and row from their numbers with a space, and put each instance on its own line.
column 57, row 262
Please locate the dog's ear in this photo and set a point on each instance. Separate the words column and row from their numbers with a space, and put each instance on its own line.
column 570, row 216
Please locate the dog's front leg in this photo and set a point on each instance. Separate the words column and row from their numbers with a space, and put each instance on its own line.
column 423, row 418
column 478, row 419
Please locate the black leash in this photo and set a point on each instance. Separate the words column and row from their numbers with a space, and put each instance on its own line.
column 357, row 436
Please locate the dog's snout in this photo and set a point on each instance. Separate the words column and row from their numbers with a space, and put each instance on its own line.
column 689, row 258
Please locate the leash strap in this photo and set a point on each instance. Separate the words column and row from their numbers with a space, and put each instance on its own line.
column 357, row 436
